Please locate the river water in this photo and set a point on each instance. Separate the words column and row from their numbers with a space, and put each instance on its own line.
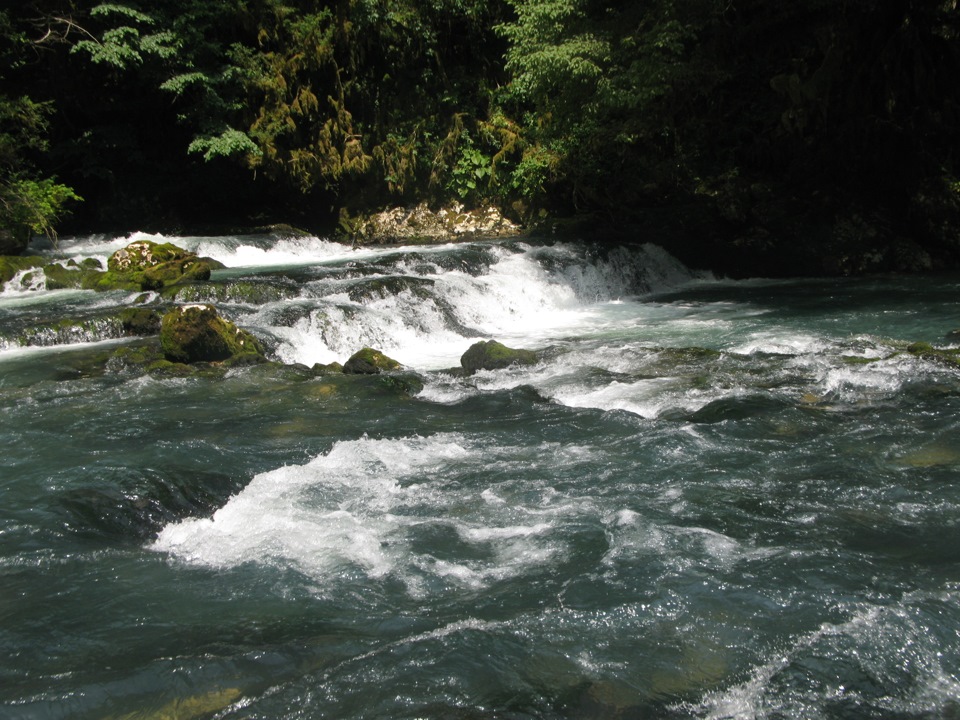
column 710, row 499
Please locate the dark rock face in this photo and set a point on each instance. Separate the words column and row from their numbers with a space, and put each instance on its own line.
column 492, row 355
column 195, row 333
column 369, row 362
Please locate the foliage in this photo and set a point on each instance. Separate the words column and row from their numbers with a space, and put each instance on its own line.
column 28, row 203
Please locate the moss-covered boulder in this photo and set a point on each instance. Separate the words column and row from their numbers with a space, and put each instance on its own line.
column 196, row 333
column 492, row 355
column 333, row 368
column 369, row 362
column 152, row 266
column 11, row 265
column 143, row 254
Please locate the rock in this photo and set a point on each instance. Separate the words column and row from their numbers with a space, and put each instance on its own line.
column 143, row 254
column 369, row 362
column 10, row 266
column 333, row 368
column 139, row 321
column 492, row 355
column 420, row 224
column 195, row 333
column 945, row 356
column 152, row 266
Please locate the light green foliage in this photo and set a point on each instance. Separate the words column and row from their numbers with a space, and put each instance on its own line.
column 127, row 45
column 228, row 143
column 35, row 205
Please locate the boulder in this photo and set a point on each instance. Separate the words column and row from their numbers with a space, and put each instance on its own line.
column 421, row 224
column 11, row 265
column 143, row 254
column 492, row 355
column 369, row 362
column 196, row 333
column 152, row 266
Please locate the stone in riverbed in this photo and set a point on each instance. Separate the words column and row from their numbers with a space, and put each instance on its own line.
column 196, row 333
column 492, row 355
column 369, row 362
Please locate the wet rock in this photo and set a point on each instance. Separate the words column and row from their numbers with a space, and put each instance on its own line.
column 369, row 362
column 945, row 356
column 11, row 265
column 492, row 355
column 196, row 333
column 139, row 321
column 333, row 368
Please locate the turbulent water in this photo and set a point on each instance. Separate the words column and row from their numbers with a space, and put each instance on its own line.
column 709, row 499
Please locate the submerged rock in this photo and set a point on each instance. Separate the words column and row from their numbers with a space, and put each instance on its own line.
column 492, row 355
column 196, row 333
column 369, row 362
column 946, row 356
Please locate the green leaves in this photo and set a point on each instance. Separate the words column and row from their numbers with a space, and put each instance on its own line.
column 28, row 205
column 126, row 46
column 228, row 143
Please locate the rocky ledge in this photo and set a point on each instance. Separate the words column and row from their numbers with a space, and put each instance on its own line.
column 420, row 224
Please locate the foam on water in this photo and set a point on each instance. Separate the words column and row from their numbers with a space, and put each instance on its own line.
column 359, row 508
column 527, row 297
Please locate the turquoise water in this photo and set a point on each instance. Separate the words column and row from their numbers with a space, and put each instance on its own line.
column 711, row 499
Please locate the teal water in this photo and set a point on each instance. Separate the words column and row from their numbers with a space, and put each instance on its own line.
column 711, row 499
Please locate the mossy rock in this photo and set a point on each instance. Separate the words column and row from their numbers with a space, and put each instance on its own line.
column 369, row 362
column 196, row 333
column 333, row 368
column 377, row 288
column 10, row 265
column 146, row 265
column 927, row 351
column 232, row 291
column 492, row 355
column 139, row 321
column 144, row 254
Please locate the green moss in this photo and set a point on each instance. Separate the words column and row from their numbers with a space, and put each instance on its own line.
column 492, row 355
column 197, row 334
column 143, row 254
column 139, row 321
column 333, row 368
column 10, row 265
column 62, row 278
column 369, row 362
column 948, row 356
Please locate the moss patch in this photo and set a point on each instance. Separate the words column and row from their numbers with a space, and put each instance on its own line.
column 493, row 355
column 369, row 362
column 195, row 333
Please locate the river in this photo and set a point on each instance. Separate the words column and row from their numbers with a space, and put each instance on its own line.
column 709, row 499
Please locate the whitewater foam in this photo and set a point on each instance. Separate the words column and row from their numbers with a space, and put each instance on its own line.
column 359, row 507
